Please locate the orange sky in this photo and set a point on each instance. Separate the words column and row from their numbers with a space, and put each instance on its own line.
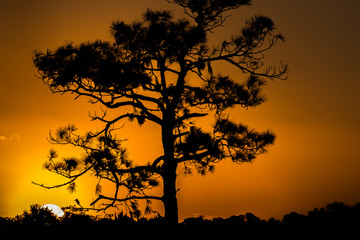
column 315, row 113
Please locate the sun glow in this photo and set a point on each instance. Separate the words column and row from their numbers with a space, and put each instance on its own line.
column 54, row 209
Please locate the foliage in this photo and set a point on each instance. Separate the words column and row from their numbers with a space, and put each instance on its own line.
column 160, row 70
column 38, row 216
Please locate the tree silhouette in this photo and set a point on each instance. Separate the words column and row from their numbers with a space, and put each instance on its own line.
column 161, row 70
column 38, row 216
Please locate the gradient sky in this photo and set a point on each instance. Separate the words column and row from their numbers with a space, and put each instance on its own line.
column 315, row 113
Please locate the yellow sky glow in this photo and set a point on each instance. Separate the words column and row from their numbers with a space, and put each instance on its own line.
column 315, row 113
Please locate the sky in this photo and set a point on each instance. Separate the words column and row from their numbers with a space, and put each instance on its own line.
column 314, row 113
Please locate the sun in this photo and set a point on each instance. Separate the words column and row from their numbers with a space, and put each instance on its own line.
column 54, row 209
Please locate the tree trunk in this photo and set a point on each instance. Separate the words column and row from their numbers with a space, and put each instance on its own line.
column 169, row 170
column 169, row 197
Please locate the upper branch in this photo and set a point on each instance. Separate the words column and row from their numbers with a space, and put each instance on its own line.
column 246, row 50
column 209, row 14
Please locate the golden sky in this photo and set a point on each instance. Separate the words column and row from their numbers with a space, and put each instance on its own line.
column 315, row 113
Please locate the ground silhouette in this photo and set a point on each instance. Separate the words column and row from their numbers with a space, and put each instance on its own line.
column 335, row 218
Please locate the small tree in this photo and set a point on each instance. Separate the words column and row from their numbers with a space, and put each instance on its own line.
column 160, row 70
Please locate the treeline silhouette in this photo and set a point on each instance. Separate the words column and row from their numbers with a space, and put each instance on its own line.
column 336, row 215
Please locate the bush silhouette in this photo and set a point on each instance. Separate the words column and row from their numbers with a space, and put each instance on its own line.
column 38, row 216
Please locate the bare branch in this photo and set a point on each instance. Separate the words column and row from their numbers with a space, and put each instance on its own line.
column 102, row 197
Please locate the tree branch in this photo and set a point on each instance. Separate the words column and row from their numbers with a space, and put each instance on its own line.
column 73, row 178
column 190, row 115
column 194, row 157
column 125, row 199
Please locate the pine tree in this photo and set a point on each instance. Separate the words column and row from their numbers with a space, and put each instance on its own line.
column 160, row 70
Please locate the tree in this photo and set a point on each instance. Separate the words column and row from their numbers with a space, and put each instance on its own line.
column 160, row 70
column 38, row 216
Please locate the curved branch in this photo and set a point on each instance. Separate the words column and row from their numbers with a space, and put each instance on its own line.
column 101, row 197
column 270, row 72
column 73, row 178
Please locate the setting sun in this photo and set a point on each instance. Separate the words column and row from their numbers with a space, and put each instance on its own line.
column 54, row 209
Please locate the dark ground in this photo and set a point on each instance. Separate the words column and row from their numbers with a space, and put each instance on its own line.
column 336, row 219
